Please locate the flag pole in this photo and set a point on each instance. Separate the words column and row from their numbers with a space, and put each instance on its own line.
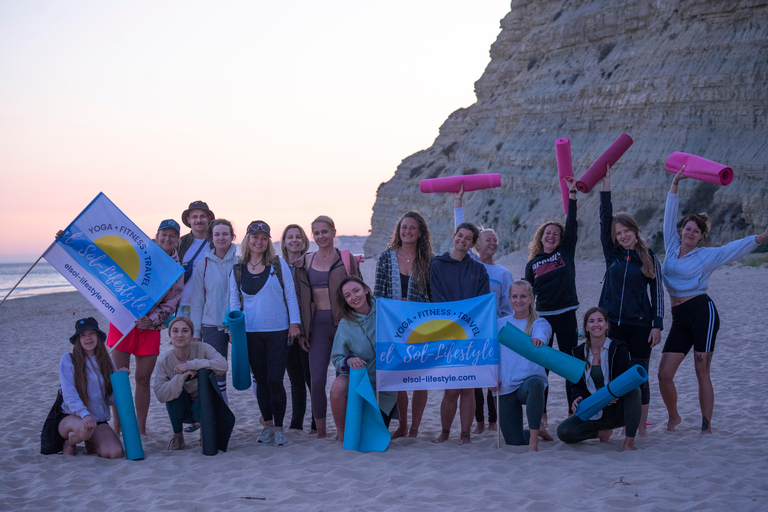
column 26, row 273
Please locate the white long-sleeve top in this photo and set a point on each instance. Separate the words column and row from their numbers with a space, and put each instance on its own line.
column 210, row 290
column 98, row 403
column 168, row 385
column 689, row 275
column 265, row 311
column 514, row 368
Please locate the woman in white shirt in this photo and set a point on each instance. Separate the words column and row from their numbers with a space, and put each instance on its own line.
column 265, row 293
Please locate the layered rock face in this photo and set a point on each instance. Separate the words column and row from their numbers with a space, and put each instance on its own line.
column 687, row 76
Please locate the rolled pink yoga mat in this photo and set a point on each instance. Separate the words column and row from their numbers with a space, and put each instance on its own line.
column 564, row 167
column 699, row 168
column 609, row 157
column 453, row 183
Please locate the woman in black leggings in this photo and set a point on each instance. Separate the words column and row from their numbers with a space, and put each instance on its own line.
column 633, row 295
column 552, row 273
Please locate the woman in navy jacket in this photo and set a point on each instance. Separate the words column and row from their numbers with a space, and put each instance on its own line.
column 632, row 295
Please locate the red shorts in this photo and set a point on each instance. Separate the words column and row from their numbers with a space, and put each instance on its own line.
column 139, row 342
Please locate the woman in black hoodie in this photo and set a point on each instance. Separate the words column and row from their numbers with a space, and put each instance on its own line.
column 456, row 276
column 552, row 273
column 632, row 273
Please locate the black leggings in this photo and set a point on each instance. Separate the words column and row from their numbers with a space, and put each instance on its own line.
column 268, row 355
column 565, row 327
column 298, row 374
column 625, row 413
column 636, row 339
column 480, row 406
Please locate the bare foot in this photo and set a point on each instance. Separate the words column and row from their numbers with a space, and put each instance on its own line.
column 479, row 427
column 312, row 432
column 673, row 422
column 604, row 435
column 629, row 444
column 69, row 449
column 465, row 438
column 543, row 434
column 400, row 432
column 413, row 432
column 642, row 432
column 321, row 436
column 544, row 422
column 443, row 437
column 493, row 427
column 706, row 432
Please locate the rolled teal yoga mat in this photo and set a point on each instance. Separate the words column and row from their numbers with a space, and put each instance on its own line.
column 216, row 419
column 364, row 428
column 129, row 426
column 553, row 360
column 241, row 369
column 617, row 388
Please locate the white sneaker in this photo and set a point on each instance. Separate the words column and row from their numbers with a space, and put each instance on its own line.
column 280, row 437
column 266, row 435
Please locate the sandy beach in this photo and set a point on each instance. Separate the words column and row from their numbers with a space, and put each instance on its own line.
column 670, row 471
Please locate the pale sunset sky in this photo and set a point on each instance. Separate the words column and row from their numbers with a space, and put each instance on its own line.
column 279, row 111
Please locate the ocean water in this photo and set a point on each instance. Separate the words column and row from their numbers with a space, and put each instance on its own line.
column 43, row 279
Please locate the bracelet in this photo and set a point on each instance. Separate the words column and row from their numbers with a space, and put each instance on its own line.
column 572, row 192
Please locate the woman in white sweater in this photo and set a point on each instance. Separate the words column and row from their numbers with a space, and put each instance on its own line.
column 210, row 292
column 176, row 376
column 522, row 382
column 261, row 287
column 695, row 321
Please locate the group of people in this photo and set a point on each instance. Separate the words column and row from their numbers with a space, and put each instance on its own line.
column 305, row 309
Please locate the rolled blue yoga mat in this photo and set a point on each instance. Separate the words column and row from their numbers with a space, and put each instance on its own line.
column 129, row 426
column 553, row 360
column 617, row 388
column 241, row 368
column 364, row 428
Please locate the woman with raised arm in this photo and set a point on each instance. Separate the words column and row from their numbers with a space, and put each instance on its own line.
column 176, row 376
column 632, row 292
column 260, row 286
column 606, row 359
column 318, row 278
column 144, row 340
column 500, row 280
column 402, row 273
column 210, row 293
column 354, row 347
column 695, row 320
column 86, row 390
column 293, row 245
column 522, row 382
column 456, row 276
column 552, row 272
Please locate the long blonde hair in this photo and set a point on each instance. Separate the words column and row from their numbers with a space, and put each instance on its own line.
column 532, row 315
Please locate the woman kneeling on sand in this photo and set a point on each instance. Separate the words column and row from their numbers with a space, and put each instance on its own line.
column 606, row 359
column 87, row 392
column 522, row 382
column 354, row 347
column 176, row 376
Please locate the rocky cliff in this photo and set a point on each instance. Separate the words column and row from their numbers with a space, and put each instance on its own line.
column 675, row 75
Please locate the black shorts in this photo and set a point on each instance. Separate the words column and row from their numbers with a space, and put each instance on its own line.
column 694, row 324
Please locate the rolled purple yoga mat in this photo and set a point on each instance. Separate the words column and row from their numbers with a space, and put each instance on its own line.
column 699, row 168
column 453, row 183
column 564, row 167
column 609, row 157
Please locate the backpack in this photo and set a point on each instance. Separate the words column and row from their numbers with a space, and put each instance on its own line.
column 277, row 269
